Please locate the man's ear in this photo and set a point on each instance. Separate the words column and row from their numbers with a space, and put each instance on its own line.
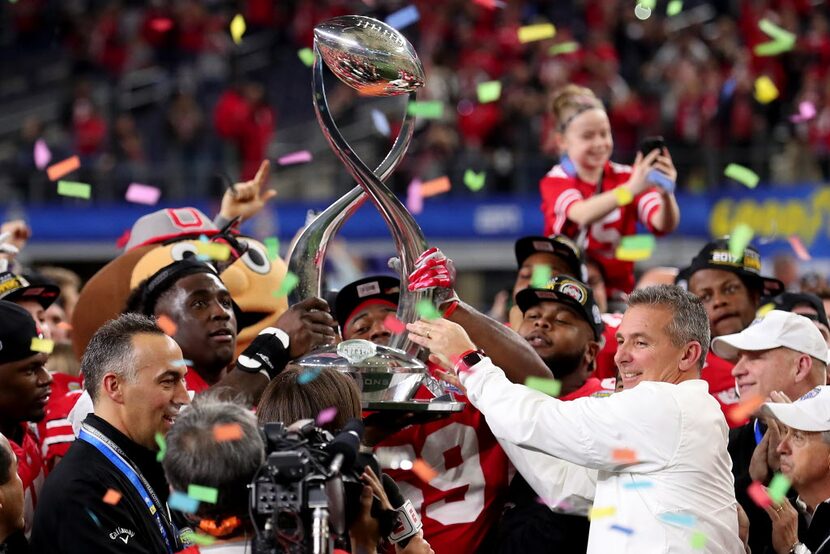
column 113, row 387
column 803, row 367
column 690, row 360
column 591, row 351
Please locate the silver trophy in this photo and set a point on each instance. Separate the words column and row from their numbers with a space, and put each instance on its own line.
column 375, row 59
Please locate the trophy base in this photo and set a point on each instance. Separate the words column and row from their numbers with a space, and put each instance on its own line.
column 439, row 407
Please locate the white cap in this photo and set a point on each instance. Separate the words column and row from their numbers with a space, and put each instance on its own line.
column 811, row 412
column 776, row 329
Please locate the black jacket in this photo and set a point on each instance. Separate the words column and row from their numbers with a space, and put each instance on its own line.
column 71, row 515
column 816, row 537
column 741, row 446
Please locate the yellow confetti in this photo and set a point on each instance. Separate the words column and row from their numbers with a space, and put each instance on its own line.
column 532, row 33
column 599, row 513
column 765, row 90
column 238, row 28
column 214, row 250
column 42, row 345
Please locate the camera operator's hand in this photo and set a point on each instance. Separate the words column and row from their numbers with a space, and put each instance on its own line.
column 247, row 199
column 433, row 270
column 417, row 545
column 309, row 325
column 365, row 530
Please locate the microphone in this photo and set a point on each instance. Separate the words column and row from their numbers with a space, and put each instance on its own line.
column 407, row 522
column 345, row 445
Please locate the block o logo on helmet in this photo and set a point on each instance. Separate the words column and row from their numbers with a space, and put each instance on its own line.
column 574, row 290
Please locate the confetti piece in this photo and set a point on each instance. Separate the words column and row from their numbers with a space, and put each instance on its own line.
column 301, row 157
column 60, row 169
column 532, row 33
column 42, row 154
column 162, row 444
column 738, row 414
column 326, row 415
column 183, row 362
column 674, row 8
column 237, row 28
column 308, row 376
column 551, row 387
column 183, row 503
column 799, row 249
column 227, row 432
column 540, row 276
column 778, row 487
column 272, row 245
column 143, row 194
column 563, row 48
column 489, row 91
column 599, row 513
column 214, row 250
column 42, row 345
column 381, row 123
column 490, row 4
column 414, row 198
column 202, row 494
column 289, row 282
column 621, row 529
column 161, row 24
column 742, row 174
column 423, row 470
column 739, row 239
column 63, row 325
column 403, row 18
column 435, row 187
column 427, row 310
column 200, row 539
column 93, row 517
column 639, row 485
column 782, row 40
column 624, row 455
column 166, row 325
column 432, row 109
column 306, row 56
column 806, row 112
column 473, row 180
column 698, row 541
column 112, row 497
column 765, row 90
column 684, row 520
column 74, row 189
column 758, row 493
column 634, row 248
column 393, row 324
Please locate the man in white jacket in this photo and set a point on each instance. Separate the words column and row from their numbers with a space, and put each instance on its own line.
column 658, row 448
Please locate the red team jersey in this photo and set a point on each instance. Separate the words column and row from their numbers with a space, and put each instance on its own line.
column 464, row 501
column 560, row 192
column 718, row 373
column 605, row 366
column 31, row 470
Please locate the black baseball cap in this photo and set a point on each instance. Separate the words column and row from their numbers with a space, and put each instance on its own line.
column 787, row 301
column 17, row 329
column 36, row 287
column 716, row 255
column 566, row 290
column 558, row 245
column 378, row 288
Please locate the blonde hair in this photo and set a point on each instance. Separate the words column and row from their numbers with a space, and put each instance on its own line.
column 571, row 100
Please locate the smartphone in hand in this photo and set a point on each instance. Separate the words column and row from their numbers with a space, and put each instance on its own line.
column 650, row 143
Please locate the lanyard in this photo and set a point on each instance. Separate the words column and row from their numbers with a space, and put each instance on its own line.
column 759, row 436
column 110, row 451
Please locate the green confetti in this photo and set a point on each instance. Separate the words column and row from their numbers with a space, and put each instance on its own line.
column 563, row 48
column 551, row 387
column 674, row 8
column 74, row 189
column 197, row 538
column 289, row 282
column 635, row 248
column 162, row 447
column 203, row 494
column 742, row 174
column 782, row 40
column 432, row 109
column 489, row 91
column 308, row 375
column 473, row 180
column 306, row 55
column 778, row 487
column 427, row 310
column 540, row 277
column 650, row 4
column 739, row 239
column 698, row 541
column 272, row 244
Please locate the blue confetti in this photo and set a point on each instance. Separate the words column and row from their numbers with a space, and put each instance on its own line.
column 621, row 529
column 403, row 17
column 381, row 123
column 684, row 520
column 567, row 166
column 183, row 362
column 94, row 517
column 308, row 376
column 180, row 501
column 640, row 485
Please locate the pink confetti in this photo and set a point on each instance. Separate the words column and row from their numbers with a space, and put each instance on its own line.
column 300, row 157
column 759, row 495
column 806, row 111
column 326, row 415
column 143, row 194
column 42, row 154
column 799, row 249
column 414, row 198
column 394, row 324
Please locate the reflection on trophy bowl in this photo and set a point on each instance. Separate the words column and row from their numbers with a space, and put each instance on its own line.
column 369, row 55
column 381, row 373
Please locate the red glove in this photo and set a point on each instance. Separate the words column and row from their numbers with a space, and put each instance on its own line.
column 433, row 270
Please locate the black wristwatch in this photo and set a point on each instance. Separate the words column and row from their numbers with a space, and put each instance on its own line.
column 468, row 360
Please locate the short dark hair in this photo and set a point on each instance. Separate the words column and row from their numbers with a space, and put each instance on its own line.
column 287, row 400
column 689, row 321
column 110, row 350
column 195, row 456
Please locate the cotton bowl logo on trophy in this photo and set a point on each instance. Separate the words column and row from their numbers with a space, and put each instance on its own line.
column 369, row 55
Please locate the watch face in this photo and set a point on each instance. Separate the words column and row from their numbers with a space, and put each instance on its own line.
column 471, row 359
